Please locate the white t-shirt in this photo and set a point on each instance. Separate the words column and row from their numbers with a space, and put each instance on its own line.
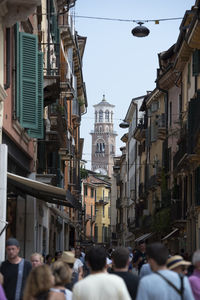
column 67, row 293
column 77, row 264
column 101, row 286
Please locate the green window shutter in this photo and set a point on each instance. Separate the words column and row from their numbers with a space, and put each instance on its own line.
column 28, row 78
column 196, row 63
column 39, row 131
column 17, row 64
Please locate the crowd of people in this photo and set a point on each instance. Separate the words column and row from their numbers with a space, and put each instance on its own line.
column 149, row 272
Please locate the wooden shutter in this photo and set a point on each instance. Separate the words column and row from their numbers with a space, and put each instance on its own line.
column 196, row 63
column 28, row 78
column 39, row 131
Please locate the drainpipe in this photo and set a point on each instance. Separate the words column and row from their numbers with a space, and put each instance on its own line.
column 3, row 197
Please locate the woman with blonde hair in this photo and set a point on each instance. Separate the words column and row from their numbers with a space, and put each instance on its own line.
column 62, row 276
column 36, row 259
column 38, row 285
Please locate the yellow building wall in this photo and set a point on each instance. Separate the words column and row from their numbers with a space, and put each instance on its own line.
column 102, row 214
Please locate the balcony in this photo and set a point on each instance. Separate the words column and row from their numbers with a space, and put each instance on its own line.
column 103, row 200
column 161, row 121
column 139, row 133
column 18, row 10
column 181, row 153
column 75, row 109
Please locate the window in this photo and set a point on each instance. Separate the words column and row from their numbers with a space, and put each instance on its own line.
column 85, row 190
column 100, row 116
column 170, row 114
column 95, row 116
column 180, row 106
column 107, row 116
column 196, row 62
column 189, row 73
column 103, row 211
column 95, row 233
column 92, row 193
column 154, row 106
column 97, row 147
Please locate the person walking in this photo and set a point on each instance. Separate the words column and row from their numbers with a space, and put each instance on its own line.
column 163, row 283
column 68, row 257
column 38, row 284
column 139, row 257
column 99, row 284
column 194, row 279
column 120, row 258
column 36, row 259
column 177, row 264
column 2, row 293
column 15, row 271
column 62, row 276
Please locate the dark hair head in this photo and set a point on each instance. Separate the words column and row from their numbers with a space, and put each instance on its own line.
column 141, row 242
column 120, row 257
column 96, row 257
column 157, row 252
column 12, row 242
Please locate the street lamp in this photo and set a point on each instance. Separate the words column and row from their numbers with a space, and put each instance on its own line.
column 140, row 31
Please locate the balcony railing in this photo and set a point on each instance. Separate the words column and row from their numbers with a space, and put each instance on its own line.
column 103, row 200
column 180, row 153
column 139, row 133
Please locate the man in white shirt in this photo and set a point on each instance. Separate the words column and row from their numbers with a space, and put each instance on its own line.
column 163, row 283
column 99, row 285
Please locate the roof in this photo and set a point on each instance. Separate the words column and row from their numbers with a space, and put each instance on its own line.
column 104, row 103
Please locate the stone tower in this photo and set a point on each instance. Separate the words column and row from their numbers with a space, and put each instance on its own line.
column 103, row 138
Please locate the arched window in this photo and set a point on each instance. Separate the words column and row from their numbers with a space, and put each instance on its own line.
column 111, row 116
column 100, row 116
column 95, row 116
column 97, row 147
column 103, row 147
column 107, row 116
column 107, row 129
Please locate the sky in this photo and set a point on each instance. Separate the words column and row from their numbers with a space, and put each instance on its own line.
column 116, row 63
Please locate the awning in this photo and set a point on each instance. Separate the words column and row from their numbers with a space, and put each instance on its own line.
column 42, row 191
column 170, row 234
column 144, row 237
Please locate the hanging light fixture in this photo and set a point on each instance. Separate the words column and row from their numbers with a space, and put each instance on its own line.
column 124, row 124
column 140, row 31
